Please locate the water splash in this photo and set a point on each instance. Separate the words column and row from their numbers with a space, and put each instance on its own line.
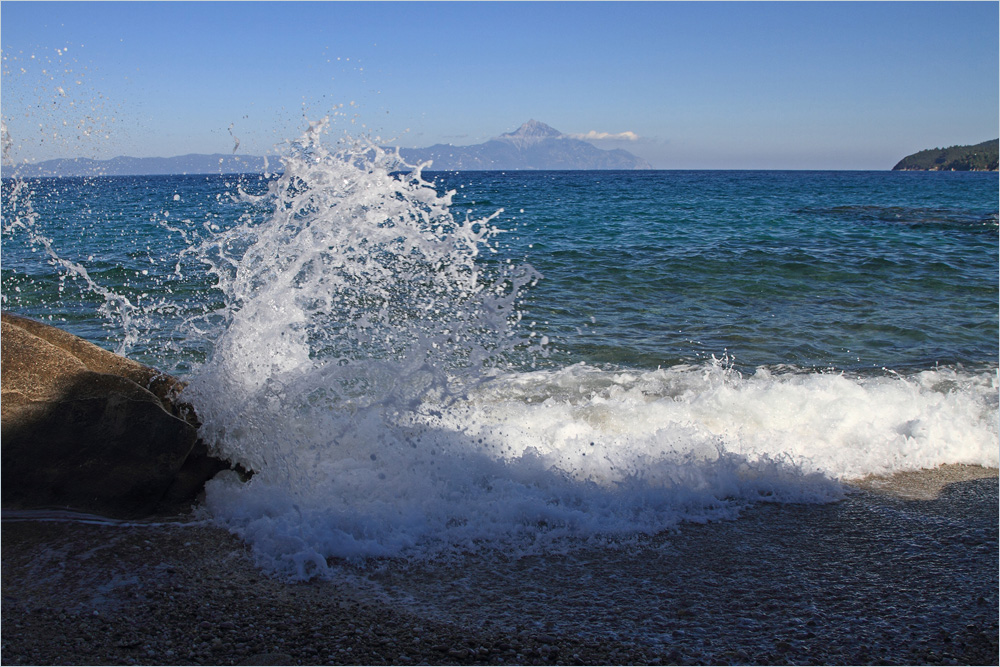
column 363, row 328
column 21, row 218
column 354, row 289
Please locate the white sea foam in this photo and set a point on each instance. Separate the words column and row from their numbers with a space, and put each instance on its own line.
column 839, row 426
column 359, row 369
column 533, row 458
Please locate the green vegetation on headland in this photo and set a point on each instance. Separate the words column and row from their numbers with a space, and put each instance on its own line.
column 981, row 157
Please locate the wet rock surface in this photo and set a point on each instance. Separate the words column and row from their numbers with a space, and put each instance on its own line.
column 88, row 429
column 873, row 579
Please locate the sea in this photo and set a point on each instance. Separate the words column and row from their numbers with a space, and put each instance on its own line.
column 418, row 365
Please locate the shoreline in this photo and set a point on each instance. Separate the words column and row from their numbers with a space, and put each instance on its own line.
column 903, row 571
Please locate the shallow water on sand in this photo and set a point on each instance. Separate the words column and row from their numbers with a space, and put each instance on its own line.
column 873, row 579
column 869, row 578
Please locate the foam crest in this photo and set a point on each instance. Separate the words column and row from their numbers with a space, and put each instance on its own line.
column 839, row 426
column 546, row 460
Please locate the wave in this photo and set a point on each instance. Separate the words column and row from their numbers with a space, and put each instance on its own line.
column 910, row 216
column 542, row 460
column 370, row 366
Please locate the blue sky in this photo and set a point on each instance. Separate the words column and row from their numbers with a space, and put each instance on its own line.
column 701, row 85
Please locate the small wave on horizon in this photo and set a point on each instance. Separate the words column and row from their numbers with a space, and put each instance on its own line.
column 909, row 216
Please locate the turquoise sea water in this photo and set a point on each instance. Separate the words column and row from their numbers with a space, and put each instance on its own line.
column 846, row 270
column 850, row 270
column 536, row 356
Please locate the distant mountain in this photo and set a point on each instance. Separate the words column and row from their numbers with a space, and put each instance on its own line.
column 981, row 157
column 534, row 145
column 147, row 166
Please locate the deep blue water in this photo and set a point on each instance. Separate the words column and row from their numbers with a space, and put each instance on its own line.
column 845, row 270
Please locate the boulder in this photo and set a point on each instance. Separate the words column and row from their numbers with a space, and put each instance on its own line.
column 90, row 430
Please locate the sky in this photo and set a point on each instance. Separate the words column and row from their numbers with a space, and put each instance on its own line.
column 685, row 85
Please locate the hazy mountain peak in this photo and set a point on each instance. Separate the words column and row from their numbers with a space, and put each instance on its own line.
column 531, row 131
column 534, row 145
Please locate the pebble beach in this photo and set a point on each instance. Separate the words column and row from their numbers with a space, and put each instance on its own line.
column 904, row 570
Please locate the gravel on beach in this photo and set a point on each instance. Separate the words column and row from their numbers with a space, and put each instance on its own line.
column 902, row 571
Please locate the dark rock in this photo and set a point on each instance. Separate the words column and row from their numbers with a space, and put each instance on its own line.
column 88, row 429
column 269, row 659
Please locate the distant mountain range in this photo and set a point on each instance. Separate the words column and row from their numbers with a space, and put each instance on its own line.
column 981, row 157
column 534, row 145
column 147, row 166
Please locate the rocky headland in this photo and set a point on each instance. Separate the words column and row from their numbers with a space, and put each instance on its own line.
column 980, row 157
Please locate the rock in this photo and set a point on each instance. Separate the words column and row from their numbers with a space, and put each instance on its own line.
column 88, row 429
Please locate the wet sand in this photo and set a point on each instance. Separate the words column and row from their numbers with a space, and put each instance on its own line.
column 903, row 571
